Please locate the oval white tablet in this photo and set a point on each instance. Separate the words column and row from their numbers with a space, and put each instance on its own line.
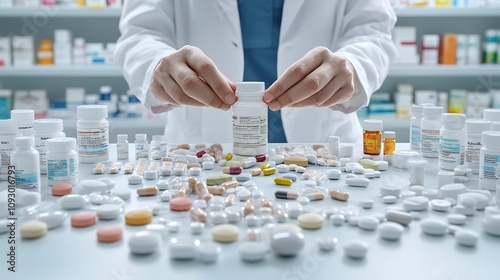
column 52, row 219
column 368, row 222
column 390, row 230
column 366, row 203
column 356, row 249
column 110, row 184
column 243, row 195
column 197, row 227
column 467, row 237
column 440, row 205
column 456, row 219
column 394, row 190
column 29, row 198
column 357, row 182
column 282, row 168
column 134, row 179
column 144, row 242
column 451, row 190
column 108, row 211
column 416, row 203
column 182, row 248
column 337, row 219
column 326, row 243
column 430, row 194
column 209, row 252
column 90, row 186
column 278, row 159
column 433, row 226
column 287, row 242
column 72, row 201
column 389, row 199
column 252, row 251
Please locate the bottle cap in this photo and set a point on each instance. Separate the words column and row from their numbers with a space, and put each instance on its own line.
column 122, row 137
column 141, row 136
column 105, row 89
column 61, row 144
column 491, row 115
column 7, row 127
column 250, row 89
column 92, row 112
column 158, row 137
column 433, row 112
column 453, row 121
column 389, row 134
column 373, row 125
column 491, row 139
column 477, row 125
column 22, row 116
column 25, row 142
column 48, row 126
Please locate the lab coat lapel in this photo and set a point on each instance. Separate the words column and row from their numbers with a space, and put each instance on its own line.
column 290, row 10
column 229, row 12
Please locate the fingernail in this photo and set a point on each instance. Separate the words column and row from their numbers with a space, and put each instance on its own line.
column 225, row 107
column 275, row 105
column 268, row 97
column 230, row 99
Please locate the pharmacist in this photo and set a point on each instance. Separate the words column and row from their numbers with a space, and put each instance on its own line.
column 320, row 59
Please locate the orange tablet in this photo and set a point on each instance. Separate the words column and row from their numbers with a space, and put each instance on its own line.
column 109, row 234
column 61, row 189
column 181, row 204
column 83, row 219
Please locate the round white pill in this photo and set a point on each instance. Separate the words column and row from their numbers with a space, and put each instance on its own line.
column 326, row 243
column 243, row 195
column 72, row 201
column 134, row 179
column 467, row 237
column 303, row 200
column 481, row 199
column 292, row 167
column 173, row 226
column 416, row 203
column 333, row 174
column 121, row 192
column 278, row 159
column 368, row 222
column 182, row 248
column 451, row 190
column 218, row 217
column 417, row 189
column 407, row 194
column 433, row 226
column 209, row 165
column 286, row 242
column 282, row 168
column 366, row 203
column 166, row 196
column 194, row 171
column 456, row 219
column 440, row 205
column 389, row 199
column 430, row 194
column 90, row 186
column 467, row 202
column 337, row 219
column 251, row 220
column 144, row 242
column 357, row 182
column 390, row 230
column 209, row 252
column 197, row 227
column 108, row 211
column 151, row 174
column 300, row 169
column 394, row 190
column 251, row 251
column 356, row 249
column 290, row 176
column 110, row 184
column 52, row 219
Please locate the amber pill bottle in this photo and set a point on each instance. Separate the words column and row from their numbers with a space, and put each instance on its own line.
column 372, row 137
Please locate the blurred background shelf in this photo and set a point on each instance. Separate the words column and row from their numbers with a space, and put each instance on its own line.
column 448, row 12
column 52, row 12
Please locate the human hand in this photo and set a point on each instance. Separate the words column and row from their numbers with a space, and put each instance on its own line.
column 320, row 78
column 189, row 77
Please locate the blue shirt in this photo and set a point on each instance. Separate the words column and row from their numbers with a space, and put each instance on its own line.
column 260, row 22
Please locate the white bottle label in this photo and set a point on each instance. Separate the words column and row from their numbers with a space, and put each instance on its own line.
column 61, row 169
column 6, row 148
column 41, row 147
column 93, row 142
column 415, row 137
column 472, row 154
column 489, row 171
column 122, row 150
column 249, row 135
column 26, row 180
column 450, row 153
column 429, row 145
column 141, row 150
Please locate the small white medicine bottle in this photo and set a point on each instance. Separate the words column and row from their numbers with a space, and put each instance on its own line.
column 489, row 171
column 46, row 129
column 430, row 127
column 473, row 130
column 451, row 141
column 122, row 146
column 26, row 162
column 157, row 148
column 92, row 133
column 62, row 161
column 24, row 119
column 492, row 115
column 333, row 145
column 250, row 120
column 495, row 126
column 141, row 146
column 416, row 118
column 8, row 134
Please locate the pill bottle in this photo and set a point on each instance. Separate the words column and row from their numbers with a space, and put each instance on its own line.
column 46, row 129
column 489, row 158
column 250, row 120
column 141, row 146
column 372, row 137
column 62, row 161
column 451, row 141
column 158, row 147
column 122, row 146
column 333, row 145
column 389, row 143
column 92, row 133
column 473, row 130
column 417, row 171
column 429, row 131
column 24, row 119
column 26, row 162
column 416, row 111
column 8, row 132
column 45, row 54
column 492, row 115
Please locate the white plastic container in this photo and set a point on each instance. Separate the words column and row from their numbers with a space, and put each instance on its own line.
column 158, row 147
column 473, row 144
column 8, row 132
column 430, row 126
column 141, row 146
column 495, row 126
column 489, row 158
column 62, row 161
column 92, row 130
column 250, row 120
column 416, row 118
column 492, row 115
column 25, row 159
column 24, row 119
column 451, row 141
column 122, row 146
column 46, row 129
column 333, row 145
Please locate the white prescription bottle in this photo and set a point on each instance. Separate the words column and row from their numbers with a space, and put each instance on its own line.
column 495, row 126
column 62, row 161
column 489, row 170
column 8, row 133
column 122, row 146
column 492, row 115
column 250, row 120
column 416, row 118
column 333, row 145
column 46, row 129
column 157, row 148
column 430, row 126
column 473, row 130
column 141, row 146
column 451, row 141
column 26, row 162
column 92, row 133
column 24, row 119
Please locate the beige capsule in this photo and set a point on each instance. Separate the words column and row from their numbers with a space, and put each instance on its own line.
column 266, row 202
column 216, row 190
column 201, row 189
column 230, row 199
column 198, row 214
column 339, row 195
column 192, row 183
column 229, row 185
column 184, row 146
column 255, row 171
column 318, row 146
column 193, row 164
column 184, row 191
column 167, row 159
column 249, row 208
column 147, row 191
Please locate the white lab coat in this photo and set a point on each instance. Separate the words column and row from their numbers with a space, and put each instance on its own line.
column 359, row 30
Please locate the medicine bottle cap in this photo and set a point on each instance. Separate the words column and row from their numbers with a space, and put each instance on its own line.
column 491, row 115
column 373, row 125
column 22, row 116
column 453, row 121
column 7, row 127
column 25, row 142
column 389, row 134
column 105, row 89
column 250, row 89
column 140, row 136
column 92, row 112
column 122, row 137
column 48, row 126
column 490, row 139
column 61, row 144
column 157, row 137
column 333, row 139
column 433, row 112
column 495, row 126
column 79, row 42
column 477, row 125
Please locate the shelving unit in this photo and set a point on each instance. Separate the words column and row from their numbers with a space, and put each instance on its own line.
column 62, row 71
column 60, row 12
column 448, row 12
column 400, row 70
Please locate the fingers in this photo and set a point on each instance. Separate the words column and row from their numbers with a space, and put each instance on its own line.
column 168, row 91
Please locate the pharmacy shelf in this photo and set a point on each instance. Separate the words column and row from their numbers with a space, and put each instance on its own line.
column 449, row 12
column 47, row 11
column 62, row 71
column 444, row 70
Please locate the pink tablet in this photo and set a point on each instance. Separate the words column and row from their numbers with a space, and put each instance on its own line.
column 61, row 189
column 83, row 219
column 181, row 204
column 109, row 234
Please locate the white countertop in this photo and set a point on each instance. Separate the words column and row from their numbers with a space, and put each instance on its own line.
column 74, row 253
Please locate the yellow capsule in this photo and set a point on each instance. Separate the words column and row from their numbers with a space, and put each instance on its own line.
column 229, row 156
column 269, row 171
column 282, row 181
column 265, row 166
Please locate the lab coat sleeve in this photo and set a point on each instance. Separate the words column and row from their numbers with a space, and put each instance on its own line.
column 147, row 35
column 366, row 42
